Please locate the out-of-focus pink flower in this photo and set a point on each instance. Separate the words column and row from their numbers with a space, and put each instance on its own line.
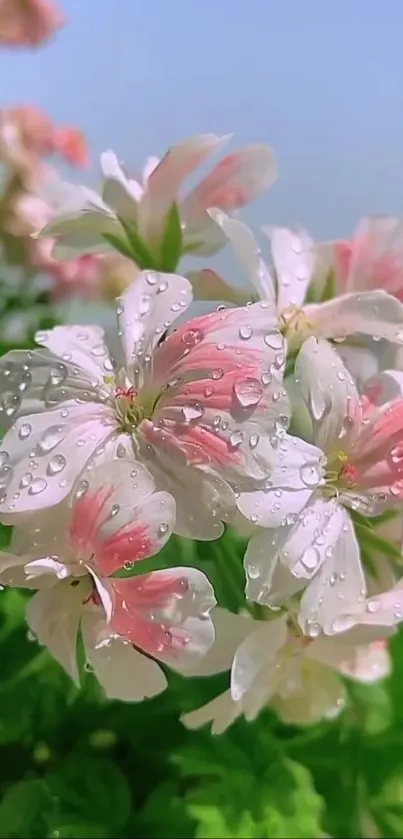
column 27, row 23
column 27, row 135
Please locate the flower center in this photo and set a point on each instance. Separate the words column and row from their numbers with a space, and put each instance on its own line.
column 129, row 411
column 295, row 326
column 340, row 473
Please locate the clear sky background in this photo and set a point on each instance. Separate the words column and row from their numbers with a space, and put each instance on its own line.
column 320, row 80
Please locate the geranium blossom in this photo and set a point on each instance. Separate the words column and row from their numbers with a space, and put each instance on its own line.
column 299, row 676
column 70, row 555
column 201, row 409
column 144, row 204
column 361, row 470
column 371, row 313
column 28, row 22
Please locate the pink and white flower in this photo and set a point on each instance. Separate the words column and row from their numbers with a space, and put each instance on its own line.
column 310, row 542
column 298, row 676
column 201, row 409
column 71, row 556
column 371, row 313
column 144, row 204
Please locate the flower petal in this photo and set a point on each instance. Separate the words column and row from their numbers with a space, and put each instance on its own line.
column 255, row 654
column 235, row 181
column 297, row 471
column 119, row 192
column 122, row 671
column 294, row 261
column 329, row 393
column 53, row 615
column 230, row 631
column 208, row 285
column 338, row 586
column 373, row 313
column 34, row 380
column 83, row 347
column 120, row 519
column 147, row 308
column 40, row 464
column 222, row 711
column 166, row 614
column 376, row 259
column 320, row 695
column 247, row 252
column 164, row 181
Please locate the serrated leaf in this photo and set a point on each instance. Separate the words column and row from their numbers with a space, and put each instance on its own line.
column 171, row 243
column 23, row 810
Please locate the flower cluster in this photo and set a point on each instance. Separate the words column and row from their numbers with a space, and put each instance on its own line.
column 278, row 415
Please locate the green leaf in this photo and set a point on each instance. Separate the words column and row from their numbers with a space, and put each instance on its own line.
column 24, row 808
column 92, row 790
column 171, row 244
column 140, row 251
column 119, row 245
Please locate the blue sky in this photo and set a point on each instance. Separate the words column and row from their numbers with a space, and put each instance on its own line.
column 320, row 80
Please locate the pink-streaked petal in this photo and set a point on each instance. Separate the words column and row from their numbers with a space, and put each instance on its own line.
column 167, row 177
column 294, row 261
column 84, row 348
column 147, row 309
column 375, row 256
column 384, row 387
column 53, row 615
column 120, row 519
column 366, row 663
column 122, row 671
column 329, row 393
column 208, row 285
column 36, row 380
column 44, row 454
column 247, row 253
column 373, row 313
column 166, row 614
column 236, row 180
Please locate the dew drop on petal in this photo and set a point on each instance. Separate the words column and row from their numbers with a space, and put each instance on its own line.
column 26, row 480
column 236, row 438
column 245, row 332
column 24, row 430
column 115, row 510
column 342, row 622
column 310, row 474
column 163, row 528
column 248, row 392
column 56, row 464
column 274, row 340
column 37, row 486
column 310, row 558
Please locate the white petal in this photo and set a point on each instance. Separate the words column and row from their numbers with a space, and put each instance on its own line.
column 60, row 446
column 338, row 586
column 203, row 237
column 122, row 671
column 35, row 380
column 373, row 313
column 230, row 631
column 329, row 392
column 321, row 695
column 255, row 654
column 248, row 255
column 297, row 472
column 365, row 663
column 294, row 261
column 268, row 580
column 119, row 192
column 83, row 347
column 221, row 712
column 81, row 232
column 147, row 308
column 54, row 615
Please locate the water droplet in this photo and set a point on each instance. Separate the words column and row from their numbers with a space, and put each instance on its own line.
column 56, row 464
column 236, row 438
column 373, row 605
column 38, row 485
column 253, row 571
column 4, row 458
column 163, row 528
column 217, row 374
column 253, row 440
column 192, row 337
column 10, row 403
column 313, row 628
column 58, row 374
column 266, row 377
column 310, row 474
column 310, row 558
column 192, row 412
column 342, row 622
column 115, row 510
column 24, row 430
column 274, row 340
column 248, row 392
column 51, row 438
column 245, row 332
column 26, row 480
column 81, row 489
column 99, row 350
